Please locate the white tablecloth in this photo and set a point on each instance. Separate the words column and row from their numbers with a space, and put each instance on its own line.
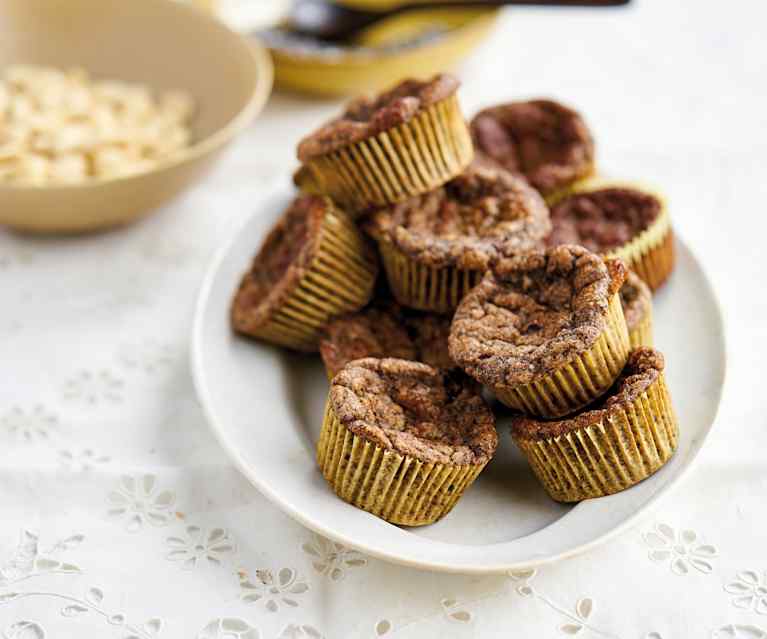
column 120, row 516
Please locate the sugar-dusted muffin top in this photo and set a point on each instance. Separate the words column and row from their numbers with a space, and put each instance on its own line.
column 368, row 116
column 636, row 300
column 416, row 410
column 480, row 214
column 386, row 329
column 280, row 262
column 603, row 219
column 644, row 366
column 533, row 314
column 543, row 140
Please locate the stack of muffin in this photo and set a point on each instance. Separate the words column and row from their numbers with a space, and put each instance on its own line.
column 508, row 265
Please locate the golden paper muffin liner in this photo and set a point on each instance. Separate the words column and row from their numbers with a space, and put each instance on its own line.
column 394, row 165
column 641, row 334
column 426, row 288
column 610, row 455
column 339, row 279
column 651, row 253
column 397, row 488
column 582, row 380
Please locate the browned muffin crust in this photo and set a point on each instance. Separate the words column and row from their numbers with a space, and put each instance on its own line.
column 533, row 314
column 644, row 366
column 280, row 262
column 414, row 409
column 543, row 140
column 603, row 219
column 636, row 300
column 468, row 221
column 369, row 116
column 386, row 329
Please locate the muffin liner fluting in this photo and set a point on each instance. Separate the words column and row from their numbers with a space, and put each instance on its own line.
column 398, row 163
column 425, row 288
column 579, row 382
column 641, row 334
column 651, row 253
column 626, row 446
column 397, row 488
column 340, row 279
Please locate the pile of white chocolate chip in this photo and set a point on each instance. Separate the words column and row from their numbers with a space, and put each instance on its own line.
column 63, row 127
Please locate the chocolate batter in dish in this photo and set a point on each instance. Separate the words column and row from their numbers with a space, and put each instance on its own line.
column 622, row 438
column 410, row 425
column 545, row 330
column 544, row 141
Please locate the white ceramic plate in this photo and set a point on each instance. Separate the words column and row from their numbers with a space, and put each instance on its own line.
column 265, row 406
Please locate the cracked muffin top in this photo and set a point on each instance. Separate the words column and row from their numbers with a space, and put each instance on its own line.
column 543, row 140
column 644, row 366
column 280, row 262
column 636, row 300
column 369, row 116
column 483, row 212
column 533, row 314
column 414, row 409
column 603, row 219
column 386, row 330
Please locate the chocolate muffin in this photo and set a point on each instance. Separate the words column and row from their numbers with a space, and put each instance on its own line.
column 636, row 300
column 618, row 221
column 386, row 330
column 543, row 140
column 623, row 438
column 436, row 246
column 544, row 330
column 386, row 149
column 314, row 264
column 403, row 440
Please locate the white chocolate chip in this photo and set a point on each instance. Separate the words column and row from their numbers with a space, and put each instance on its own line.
column 61, row 127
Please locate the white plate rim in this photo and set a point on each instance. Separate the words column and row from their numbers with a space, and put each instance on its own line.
column 646, row 508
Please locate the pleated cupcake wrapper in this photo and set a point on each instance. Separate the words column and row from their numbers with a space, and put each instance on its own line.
column 398, row 488
column 651, row 253
column 340, row 279
column 611, row 455
column 426, row 288
column 399, row 163
column 579, row 382
column 641, row 334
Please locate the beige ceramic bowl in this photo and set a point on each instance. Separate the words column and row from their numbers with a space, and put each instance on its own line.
column 160, row 43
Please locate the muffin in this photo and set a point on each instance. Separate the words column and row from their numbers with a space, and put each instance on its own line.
column 618, row 221
column 386, row 330
column 386, row 149
column 543, row 140
column 636, row 300
column 313, row 265
column 437, row 246
column 544, row 330
column 403, row 440
column 622, row 439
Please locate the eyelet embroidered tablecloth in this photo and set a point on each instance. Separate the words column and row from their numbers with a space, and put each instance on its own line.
column 121, row 517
